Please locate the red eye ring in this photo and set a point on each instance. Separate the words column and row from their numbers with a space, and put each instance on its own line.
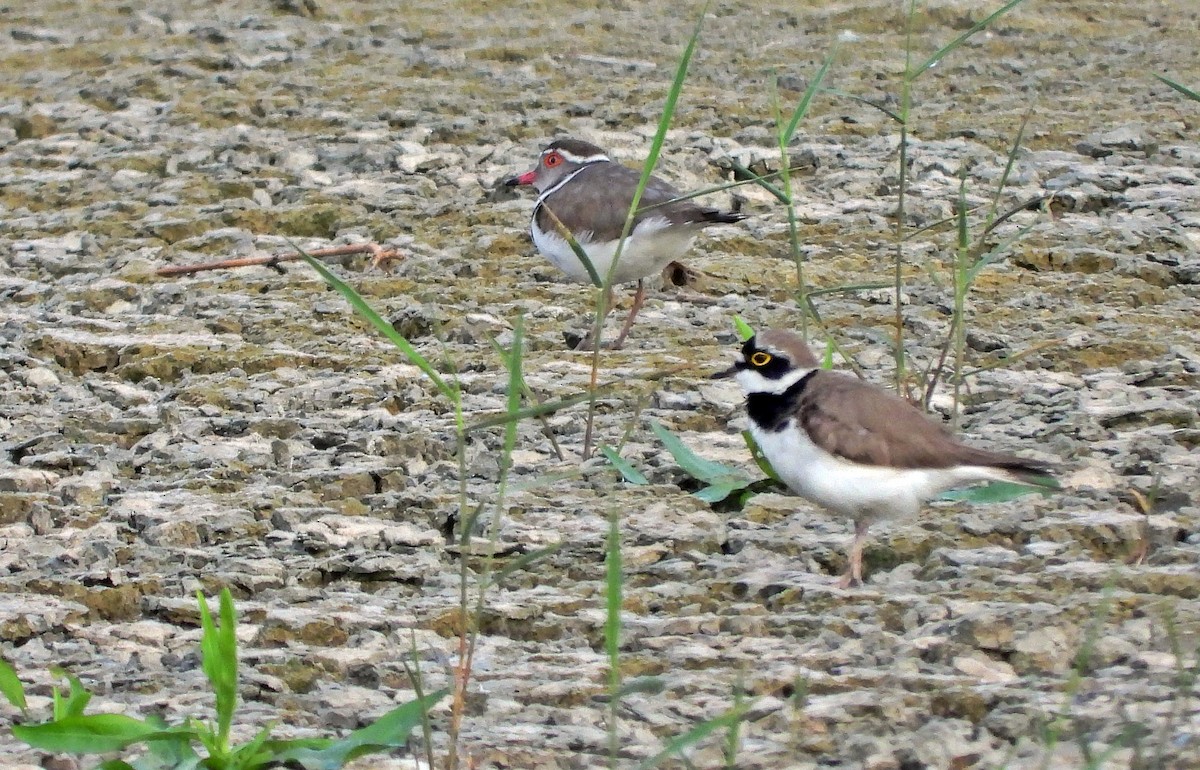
column 552, row 159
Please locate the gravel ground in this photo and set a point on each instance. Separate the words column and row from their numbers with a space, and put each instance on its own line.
column 244, row 428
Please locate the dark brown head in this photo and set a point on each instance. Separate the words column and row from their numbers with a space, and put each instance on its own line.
column 771, row 361
column 560, row 158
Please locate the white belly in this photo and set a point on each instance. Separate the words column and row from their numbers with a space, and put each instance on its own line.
column 862, row 492
column 648, row 249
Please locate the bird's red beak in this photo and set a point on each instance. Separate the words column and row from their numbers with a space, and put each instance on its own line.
column 522, row 179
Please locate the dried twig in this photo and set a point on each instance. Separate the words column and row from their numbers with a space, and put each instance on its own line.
column 379, row 256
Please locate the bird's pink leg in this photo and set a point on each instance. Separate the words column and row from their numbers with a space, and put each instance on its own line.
column 853, row 576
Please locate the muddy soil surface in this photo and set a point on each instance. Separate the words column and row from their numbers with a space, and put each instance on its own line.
column 244, row 428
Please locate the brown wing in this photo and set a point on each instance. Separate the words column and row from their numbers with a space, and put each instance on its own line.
column 601, row 200
column 866, row 424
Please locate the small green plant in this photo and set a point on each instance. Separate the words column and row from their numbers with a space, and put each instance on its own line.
column 1180, row 87
column 196, row 743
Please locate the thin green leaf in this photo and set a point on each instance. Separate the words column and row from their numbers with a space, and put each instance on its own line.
column 1013, row 151
column 549, row 407
column 218, row 648
column 999, row 252
column 515, row 380
column 715, row 493
column 999, row 492
column 576, row 247
column 523, row 561
column 697, row 734
column 806, row 100
column 964, row 37
column 116, row 764
column 960, row 216
column 10, row 685
column 660, row 135
column 760, row 459
column 253, row 755
column 382, row 326
column 77, row 699
column 174, row 751
column 1181, row 88
column 387, row 733
column 855, row 98
column 613, row 598
column 529, row 394
column 749, row 177
column 827, row 358
column 850, row 287
column 697, row 467
column 744, row 330
column 631, row 474
column 744, row 177
column 85, row 734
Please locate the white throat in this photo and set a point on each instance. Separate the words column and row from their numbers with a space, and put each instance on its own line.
column 753, row 382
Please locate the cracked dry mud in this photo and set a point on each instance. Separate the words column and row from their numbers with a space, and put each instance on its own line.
column 161, row 436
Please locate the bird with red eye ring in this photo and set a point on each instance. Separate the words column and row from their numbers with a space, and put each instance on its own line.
column 583, row 201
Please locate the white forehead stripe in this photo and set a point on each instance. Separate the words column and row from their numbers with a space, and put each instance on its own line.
column 573, row 158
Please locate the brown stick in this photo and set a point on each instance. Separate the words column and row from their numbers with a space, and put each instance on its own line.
column 379, row 255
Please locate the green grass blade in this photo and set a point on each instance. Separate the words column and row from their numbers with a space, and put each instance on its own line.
column 695, row 466
column 382, row 326
column 999, row 252
column 10, row 685
column 1180, row 87
column 218, row 650
column 850, row 287
column 960, row 216
column 549, row 407
column 77, row 699
column 388, row 732
column 760, row 459
column 512, row 361
column 86, row 734
column 949, row 48
column 715, row 493
column 575, row 247
column 524, row 560
column 744, row 330
column 806, row 100
column 749, row 177
column 1000, row 492
column 660, row 135
column 854, row 98
column 631, row 474
column 173, row 750
column 697, row 734
column 613, row 599
column 1008, row 167
column 253, row 755
column 743, row 176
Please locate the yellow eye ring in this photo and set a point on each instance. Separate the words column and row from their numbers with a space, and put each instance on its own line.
column 760, row 358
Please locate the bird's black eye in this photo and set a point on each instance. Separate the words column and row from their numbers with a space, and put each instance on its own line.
column 759, row 358
column 552, row 159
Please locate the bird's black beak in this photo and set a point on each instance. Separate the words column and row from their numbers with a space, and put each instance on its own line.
column 726, row 373
column 510, row 182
